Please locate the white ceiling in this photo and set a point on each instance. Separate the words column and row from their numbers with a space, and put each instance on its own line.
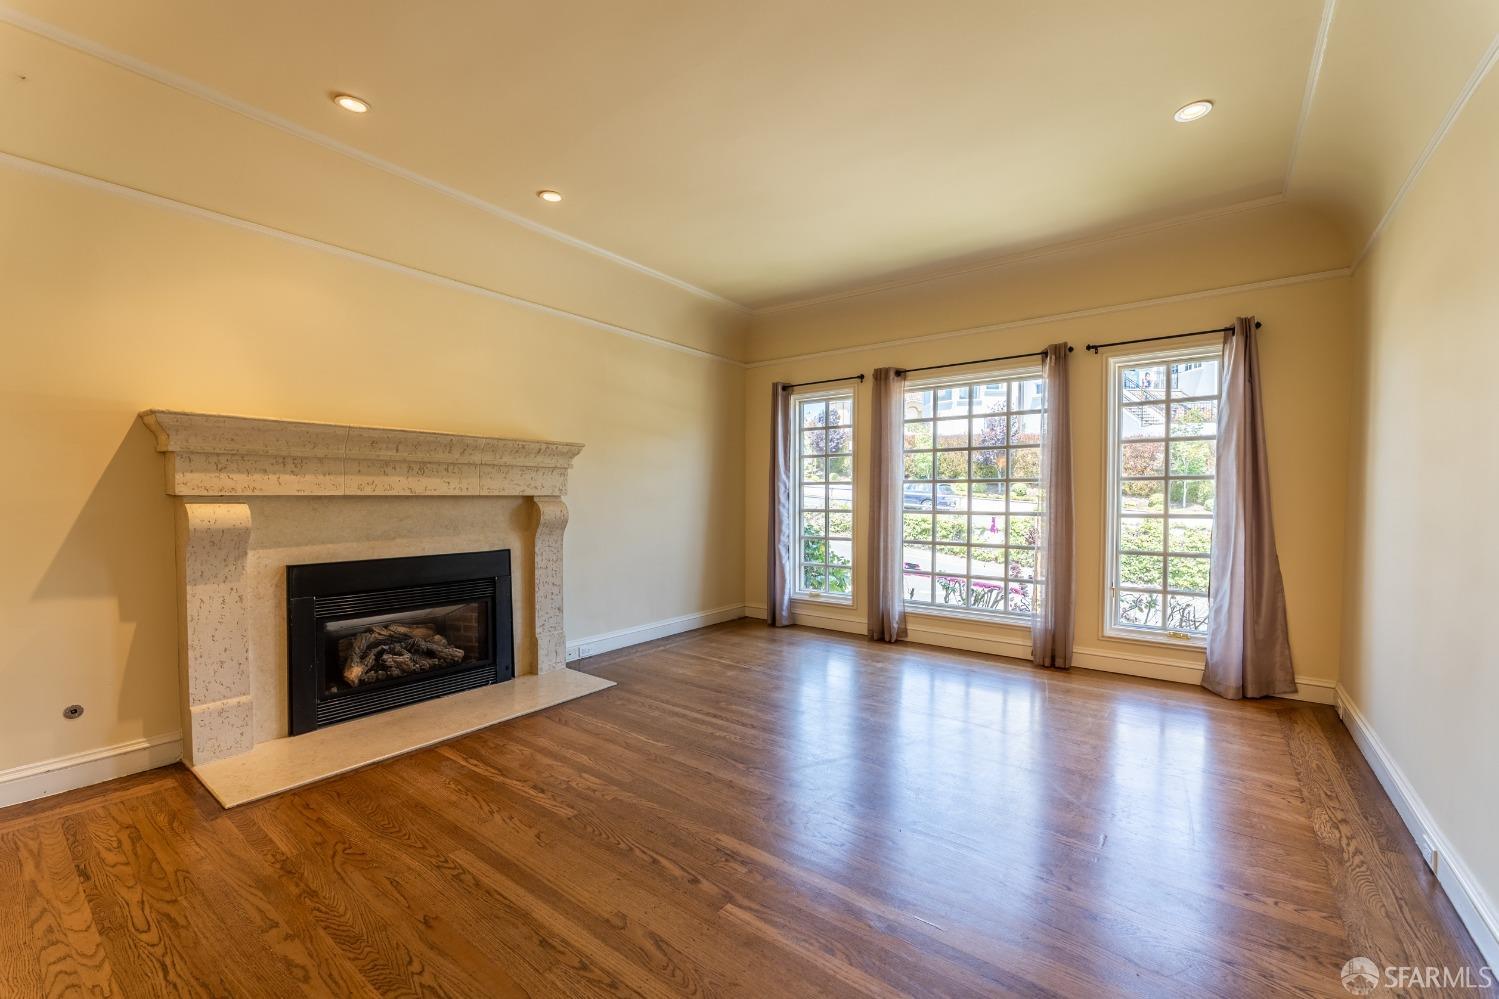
column 778, row 150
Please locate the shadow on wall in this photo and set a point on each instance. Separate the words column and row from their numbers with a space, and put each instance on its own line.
column 120, row 551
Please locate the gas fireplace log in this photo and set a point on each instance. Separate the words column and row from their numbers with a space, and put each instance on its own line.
column 391, row 650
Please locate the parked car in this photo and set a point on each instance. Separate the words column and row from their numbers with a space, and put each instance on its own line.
column 918, row 497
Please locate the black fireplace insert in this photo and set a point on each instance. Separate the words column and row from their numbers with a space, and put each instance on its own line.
column 377, row 634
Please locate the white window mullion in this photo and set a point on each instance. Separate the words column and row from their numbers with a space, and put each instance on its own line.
column 1189, row 380
column 827, row 414
column 976, row 498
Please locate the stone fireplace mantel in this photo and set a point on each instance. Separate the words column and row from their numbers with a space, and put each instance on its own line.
column 236, row 530
column 211, row 455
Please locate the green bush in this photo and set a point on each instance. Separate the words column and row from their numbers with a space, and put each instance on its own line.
column 951, row 527
column 1140, row 570
column 1187, row 574
column 1142, row 535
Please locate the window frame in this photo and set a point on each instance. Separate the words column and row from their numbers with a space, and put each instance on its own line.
column 1113, row 478
column 1030, row 371
column 797, row 591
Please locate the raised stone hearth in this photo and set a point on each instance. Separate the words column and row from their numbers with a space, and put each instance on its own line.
column 254, row 496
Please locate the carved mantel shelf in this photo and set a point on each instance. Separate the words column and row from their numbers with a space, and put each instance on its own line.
column 215, row 455
column 219, row 466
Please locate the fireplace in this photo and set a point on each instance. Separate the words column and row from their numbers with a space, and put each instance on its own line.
column 376, row 634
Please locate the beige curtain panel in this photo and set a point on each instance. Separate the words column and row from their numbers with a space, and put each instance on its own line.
column 1053, row 606
column 1249, row 646
column 781, row 536
column 886, row 614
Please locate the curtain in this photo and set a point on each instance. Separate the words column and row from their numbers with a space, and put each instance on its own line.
column 1053, row 605
column 778, row 548
column 886, row 607
column 1248, row 648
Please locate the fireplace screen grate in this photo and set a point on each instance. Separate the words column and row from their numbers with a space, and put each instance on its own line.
column 372, row 635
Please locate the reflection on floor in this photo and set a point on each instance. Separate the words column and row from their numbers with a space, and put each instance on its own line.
column 757, row 812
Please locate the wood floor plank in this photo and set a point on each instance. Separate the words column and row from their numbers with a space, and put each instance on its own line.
column 69, row 951
column 142, row 920
column 385, row 911
column 995, row 880
column 20, row 964
column 1398, row 914
column 605, row 874
column 382, row 959
column 755, row 812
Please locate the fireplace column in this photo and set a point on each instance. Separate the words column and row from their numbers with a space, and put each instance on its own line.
column 551, row 641
column 213, row 541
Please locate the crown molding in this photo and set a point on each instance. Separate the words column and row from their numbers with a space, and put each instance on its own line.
column 1313, row 76
column 1010, row 259
column 25, row 165
column 1485, row 63
column 192, row 88
column 1102, row 310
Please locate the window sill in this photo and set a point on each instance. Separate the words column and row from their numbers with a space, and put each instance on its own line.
column 821, row 599
column 1155, row 638
column 926, row 610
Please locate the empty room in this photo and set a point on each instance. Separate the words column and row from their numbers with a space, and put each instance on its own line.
column 974, row 498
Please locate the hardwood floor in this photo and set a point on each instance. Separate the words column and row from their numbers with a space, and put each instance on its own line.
column 757, row 813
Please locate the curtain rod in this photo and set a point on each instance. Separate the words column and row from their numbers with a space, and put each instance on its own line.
column 823, row 381
column 1096, row 347
column 982, row 360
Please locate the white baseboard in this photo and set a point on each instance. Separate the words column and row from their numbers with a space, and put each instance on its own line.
column 1474, row 907
column 1309, row 688
column 928, row 630
column 65, row 773
column 611, row 640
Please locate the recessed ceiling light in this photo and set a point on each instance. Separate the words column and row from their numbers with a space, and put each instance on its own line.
column 1193, row 111
column 349, row 102
column 551, row 196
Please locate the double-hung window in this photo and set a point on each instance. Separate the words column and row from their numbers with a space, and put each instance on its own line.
column 825, row 495
column 1163, row 426
column 972, row 494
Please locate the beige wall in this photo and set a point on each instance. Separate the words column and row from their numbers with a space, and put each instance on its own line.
column 1307, row 374
column 1424, row 545
column 93, row 118
column 113, row 303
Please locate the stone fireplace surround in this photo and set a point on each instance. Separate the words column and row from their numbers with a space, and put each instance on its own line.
column 255, row 495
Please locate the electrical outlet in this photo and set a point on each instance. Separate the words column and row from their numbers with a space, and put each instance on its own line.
column 1429, row 852
column 584, row 651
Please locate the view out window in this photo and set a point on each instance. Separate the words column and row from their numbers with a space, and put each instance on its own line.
column 1164, row 423
column 972, row 495
column 825, row 495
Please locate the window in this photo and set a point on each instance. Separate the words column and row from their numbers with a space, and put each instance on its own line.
column 825, row 496
column 972, row 495
column 1163, row 461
